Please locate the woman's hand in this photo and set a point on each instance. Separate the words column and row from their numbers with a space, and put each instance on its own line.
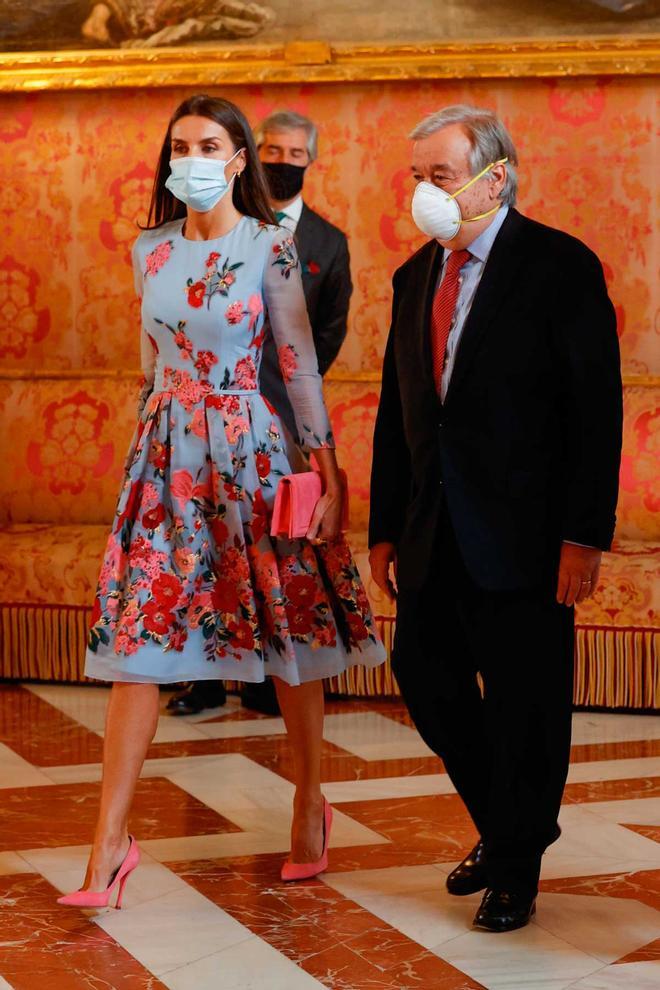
column 328, row 513
column 327, row 516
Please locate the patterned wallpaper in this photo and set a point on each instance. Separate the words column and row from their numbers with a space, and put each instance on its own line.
column 77, row 173
column 78, row 169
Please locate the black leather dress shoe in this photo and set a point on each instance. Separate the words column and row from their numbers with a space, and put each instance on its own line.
column 504, row 911
column 260, row 698
column 197, row 697
column 470, row 875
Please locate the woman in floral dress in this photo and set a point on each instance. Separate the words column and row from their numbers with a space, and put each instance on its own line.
column 192, row 586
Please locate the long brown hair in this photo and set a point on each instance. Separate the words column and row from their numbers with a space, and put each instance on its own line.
column 249, row 195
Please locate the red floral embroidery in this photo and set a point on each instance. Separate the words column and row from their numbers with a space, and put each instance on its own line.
column 234, row 312
column 225, row 596
column 219, row 531
column 205, row 361
column 184, row 344
column 166, row 590
column 154, row 517
column 196, row 293
column 242, row 636
column 185, row 388
column 157, row 258
column 263, row 465
column 245, row 373
column 300, row 620
column 302, row 590
column 288, row 364
column 156, row 618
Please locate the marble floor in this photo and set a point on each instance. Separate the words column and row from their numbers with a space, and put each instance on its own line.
column 206, row 909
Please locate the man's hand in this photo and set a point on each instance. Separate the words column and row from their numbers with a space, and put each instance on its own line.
column 579, row 568
column 381, row 556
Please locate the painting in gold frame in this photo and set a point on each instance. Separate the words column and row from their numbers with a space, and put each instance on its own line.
column 90, row 43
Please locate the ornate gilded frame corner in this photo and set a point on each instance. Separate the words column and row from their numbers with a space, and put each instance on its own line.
column 317, row 61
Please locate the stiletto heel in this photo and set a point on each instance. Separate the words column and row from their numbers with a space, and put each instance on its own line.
column 120, row 892
column 101, row 898
column 305, row 871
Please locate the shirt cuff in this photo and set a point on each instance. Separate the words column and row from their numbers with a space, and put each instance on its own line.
column 573, row 543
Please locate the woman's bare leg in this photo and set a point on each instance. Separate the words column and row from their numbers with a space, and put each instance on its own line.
column 131, row 722
column 302, row 708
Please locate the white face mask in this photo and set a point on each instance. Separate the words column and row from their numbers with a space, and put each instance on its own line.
column 437, row 213
column 200, row 183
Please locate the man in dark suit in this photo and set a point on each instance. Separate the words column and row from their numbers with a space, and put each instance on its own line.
column 494, row 488
column 288, row 144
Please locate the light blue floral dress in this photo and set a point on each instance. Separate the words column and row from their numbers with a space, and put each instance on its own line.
column 192, row 586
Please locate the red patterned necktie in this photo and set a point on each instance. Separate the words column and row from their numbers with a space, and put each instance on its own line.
column 444, row 304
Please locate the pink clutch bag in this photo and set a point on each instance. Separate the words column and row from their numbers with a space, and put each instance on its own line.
column 295, row 501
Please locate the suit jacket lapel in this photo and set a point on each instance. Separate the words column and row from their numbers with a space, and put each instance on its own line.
column 421, row 291
column 502, row 264
column 303, row 234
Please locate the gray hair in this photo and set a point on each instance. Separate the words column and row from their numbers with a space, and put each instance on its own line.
column 488, row 136
column 289, row 120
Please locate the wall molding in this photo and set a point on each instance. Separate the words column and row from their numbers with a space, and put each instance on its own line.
column 320, row 62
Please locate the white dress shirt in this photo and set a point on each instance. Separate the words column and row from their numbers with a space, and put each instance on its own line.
column 468, row 283
column 292, row 213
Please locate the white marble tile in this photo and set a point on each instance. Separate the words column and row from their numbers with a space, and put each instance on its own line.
column 412, row 899
column 586, row 836
column 242, row 967
column 614, row 769
column 64, row 867
column 17, row 772
column 625, row 976
column 415, row 901
column 11, row 862
column 174, row 729
column 230, row 707
column 597, row 727
column 86, row 704
column 258, row 800
column 166, row 924
column 372, row 736
column 636, row 811
column 384, row 788
column 605, row 927
column 173, row 930
column 159, row 767
column 218, row 846
column 243, row 729
column 4, row 985
column 528, row 959
column 592, row 866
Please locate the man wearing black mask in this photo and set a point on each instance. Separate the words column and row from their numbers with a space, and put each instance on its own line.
column 288, row 144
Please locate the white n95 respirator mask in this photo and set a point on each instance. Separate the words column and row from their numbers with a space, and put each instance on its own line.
column 437, row 213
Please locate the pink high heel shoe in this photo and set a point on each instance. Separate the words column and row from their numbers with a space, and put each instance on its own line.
column 101, row 898
column 305, row 871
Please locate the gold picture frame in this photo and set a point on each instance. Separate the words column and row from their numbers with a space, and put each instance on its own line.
column 318, row 61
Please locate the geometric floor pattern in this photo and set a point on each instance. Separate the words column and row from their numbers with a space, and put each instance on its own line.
column 206, row 909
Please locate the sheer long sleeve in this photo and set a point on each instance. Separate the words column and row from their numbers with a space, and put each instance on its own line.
column 292, row 333
column 147, row 351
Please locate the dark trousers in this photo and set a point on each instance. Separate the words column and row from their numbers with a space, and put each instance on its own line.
column 506, row 751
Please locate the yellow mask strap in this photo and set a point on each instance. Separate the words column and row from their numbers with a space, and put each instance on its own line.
column 482, row 216
column 474, row 179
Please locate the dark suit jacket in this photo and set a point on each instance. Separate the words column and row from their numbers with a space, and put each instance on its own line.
column 326, row 276
column 526, row 447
